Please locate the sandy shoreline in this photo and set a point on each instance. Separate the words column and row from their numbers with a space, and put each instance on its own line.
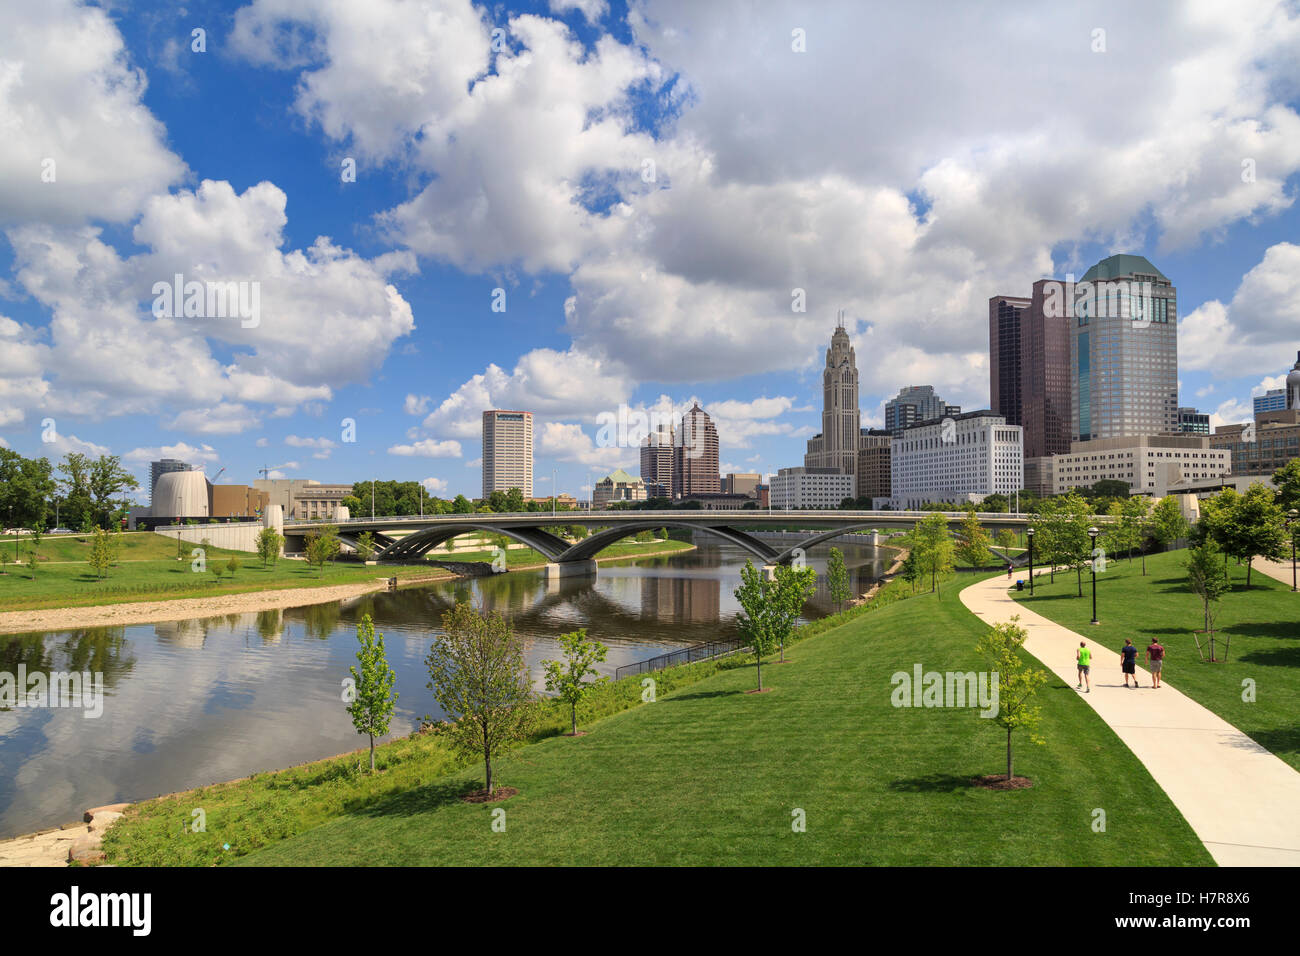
column 176, row 609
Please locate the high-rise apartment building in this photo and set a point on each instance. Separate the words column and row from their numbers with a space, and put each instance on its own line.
column 873, row 477
column 695, row 456
column 159, row 468
column 657, row 463
column 837, row 445
column 507, row 451
column 915, row 403
column 1123, row 351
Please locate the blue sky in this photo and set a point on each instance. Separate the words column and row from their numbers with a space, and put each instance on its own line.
column 885, row 162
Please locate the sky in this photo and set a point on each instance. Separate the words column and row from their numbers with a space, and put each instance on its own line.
column 601, row 211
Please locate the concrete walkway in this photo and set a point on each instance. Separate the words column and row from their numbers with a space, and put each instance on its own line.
column 1281, row 570
column 1243, row 802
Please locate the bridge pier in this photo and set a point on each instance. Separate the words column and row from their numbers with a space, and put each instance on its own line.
column 565, row 569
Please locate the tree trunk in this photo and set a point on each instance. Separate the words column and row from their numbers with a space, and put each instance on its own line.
column 1078, row 574
column 1008, row 755
column 372, row 753
column 574, row 714
column 487, row 768
column 1249, row 563
column 758, row 659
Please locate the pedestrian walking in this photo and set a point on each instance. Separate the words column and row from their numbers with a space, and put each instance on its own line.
column 1155, row 660
column 1128, row 655
column 1008, row 572
column 1084, row 659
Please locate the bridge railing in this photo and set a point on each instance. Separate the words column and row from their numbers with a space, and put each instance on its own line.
column 704, row 514
column 685, row 655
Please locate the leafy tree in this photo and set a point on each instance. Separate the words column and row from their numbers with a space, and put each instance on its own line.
column 1062, row 531
column 372, row 707
column 996, row 503
column 4, row 560
column 322, row 546
column 837, row 578
column 1287, row 480
column 478, row 677
column 1256, row 527
column 973, row 541
column 794, row 586
column 1017, row 682
column 25, row 486
column 31, row 563
column 461, row 506
column 269, row 542
column 933, row 547
column 770, row 607
column 1208, row 579
column 514, row 500
column 1006, row 539
column 1137, row 516
column 216, row 570
column 911, row 569
column 1167, row 522
column 365, row 546
column 568, row 678
column 232, row 565
column 101, row 553
column 37, row 533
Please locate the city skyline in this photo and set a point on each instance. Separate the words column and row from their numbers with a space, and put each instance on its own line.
column 652, row 275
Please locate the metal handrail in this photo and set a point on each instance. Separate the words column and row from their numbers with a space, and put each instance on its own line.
column 685, row 655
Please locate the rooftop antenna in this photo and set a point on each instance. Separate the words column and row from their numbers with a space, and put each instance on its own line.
column 264, row 471
column 840, row 320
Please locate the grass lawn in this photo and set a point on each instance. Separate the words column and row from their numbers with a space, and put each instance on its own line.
column 1263, row 624
column 711, row 775
column 147, row 570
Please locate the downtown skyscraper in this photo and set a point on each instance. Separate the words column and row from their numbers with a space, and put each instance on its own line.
column 837, row 445
column 1123, row 351
column 1029, row 368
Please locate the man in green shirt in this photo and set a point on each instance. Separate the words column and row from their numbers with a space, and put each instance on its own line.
column 1083, row 657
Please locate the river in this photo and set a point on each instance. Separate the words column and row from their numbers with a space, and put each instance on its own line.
column 193, row 702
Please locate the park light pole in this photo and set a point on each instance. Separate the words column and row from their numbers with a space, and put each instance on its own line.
column 553, row 492
column 1092, row 564
column 1293, row 514
column 1029, row 533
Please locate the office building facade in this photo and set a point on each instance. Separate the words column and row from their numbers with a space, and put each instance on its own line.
column 657, row 463
column 507, row 451
column 873, row 474
column 1123, row 351
column 1149, row 464
column 956, row 460
column 695, row 456
column 620, row 486
column 305, row 499
column 1191, row 421
column 1274, row 400
column 913, row 404
column 810, row 488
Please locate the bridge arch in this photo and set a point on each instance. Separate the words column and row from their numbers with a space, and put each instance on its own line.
column 785, row 556
column 419, row 542
column 588, row 548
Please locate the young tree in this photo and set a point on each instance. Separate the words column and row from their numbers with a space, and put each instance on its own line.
column 269, row 542
column 4, row 560
column 757, row 621
column 1136, row 511
column 31, row 563
column 365, row 546
column 911, row 570
column 933, row 547
column 372, row 706
column 478, row 677
column 101, row 554
column 568, row 678
column 37, row 533
column 794, row 586
column 1208, row 579
column 1017, row 682
column 973, row 541
column 322, row 547
column 1006, row 539
column 1167, row 522
column 837, row 578
column 232, row 565
column 1063, row 533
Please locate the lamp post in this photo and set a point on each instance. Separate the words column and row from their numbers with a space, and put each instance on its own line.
column 1092, row 564
column 1292, row 514
column 1029, row 533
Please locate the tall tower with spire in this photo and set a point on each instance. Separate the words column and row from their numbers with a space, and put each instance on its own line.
column 837, row 445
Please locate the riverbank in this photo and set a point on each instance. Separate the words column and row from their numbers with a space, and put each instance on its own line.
column 830, row 719
column 242, row 602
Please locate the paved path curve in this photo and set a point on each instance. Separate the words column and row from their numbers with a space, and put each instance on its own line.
column 1281, row 570
column 1242, row 801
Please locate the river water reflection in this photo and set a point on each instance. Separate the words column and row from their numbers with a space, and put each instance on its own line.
column 199, row 701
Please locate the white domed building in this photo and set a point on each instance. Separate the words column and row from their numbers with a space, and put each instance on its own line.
column 182, row 494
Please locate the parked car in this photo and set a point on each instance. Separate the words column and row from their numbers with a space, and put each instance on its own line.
column 60, row 531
